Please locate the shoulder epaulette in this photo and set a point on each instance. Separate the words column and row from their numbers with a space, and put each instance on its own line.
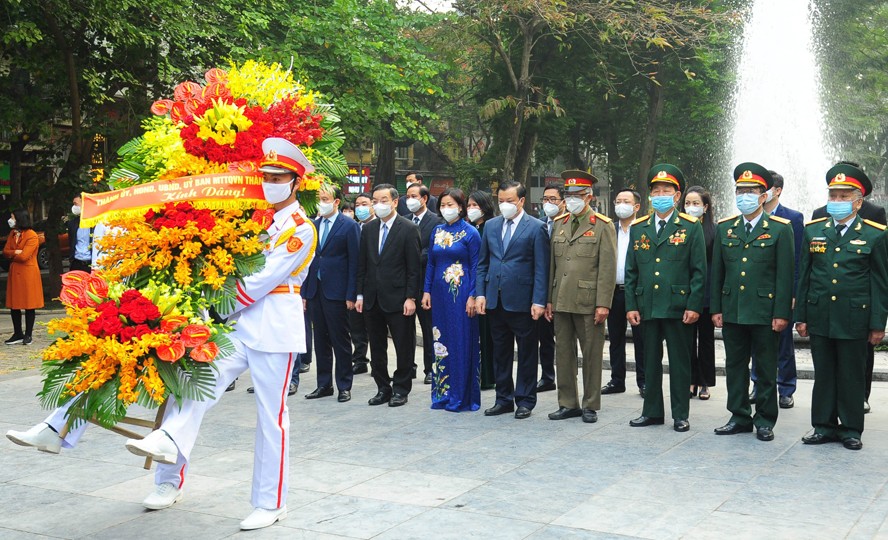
column 728, row 218
column 564, row 215
column 813, row 221
column 603, row 217
column 876, row 225
column 779, row 219
column 642, row 219
column 688, row 217
column 298, row 219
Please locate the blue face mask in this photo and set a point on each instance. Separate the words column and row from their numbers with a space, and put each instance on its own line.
column 839, row 210
column 747, row 203
column 663, row 203
column 362, row 213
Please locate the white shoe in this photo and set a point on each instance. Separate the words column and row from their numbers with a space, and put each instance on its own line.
column 157, row 445
column 164, row 496
column 263, row 518
column 41, row 436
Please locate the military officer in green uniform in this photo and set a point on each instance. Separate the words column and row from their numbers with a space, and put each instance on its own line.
column 583, row 269
column 665, row 275
column 841, row 304
column 753, row 265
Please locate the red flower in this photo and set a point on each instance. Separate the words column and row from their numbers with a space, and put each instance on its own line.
column 172, row 323
column 205, row 353
column 194, row 335
column 264, row 217
column 74, row 289
column 137, row 308
column 187, row 90
column 133, row 332
column 216, row 75
column 162, row 107
column 98, row 287
column 171, row 352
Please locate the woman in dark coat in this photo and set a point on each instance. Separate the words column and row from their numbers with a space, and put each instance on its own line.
column 698, row 203
column 481, row 209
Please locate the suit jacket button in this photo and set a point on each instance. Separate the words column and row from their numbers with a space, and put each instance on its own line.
column 833, row 298
column 656, row 286
column 658, row 259
column 770, row 295
column 838, row 249
column 742, row 287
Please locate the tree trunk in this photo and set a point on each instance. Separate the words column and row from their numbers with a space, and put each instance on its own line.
column 514, row 140
column 385, row 160
column 649, row 147
column 525, row 152
column 16, row 150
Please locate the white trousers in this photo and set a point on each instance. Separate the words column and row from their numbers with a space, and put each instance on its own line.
column 57, row 421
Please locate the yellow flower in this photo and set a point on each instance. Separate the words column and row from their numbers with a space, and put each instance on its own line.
column 260, row 83
column 222, row 122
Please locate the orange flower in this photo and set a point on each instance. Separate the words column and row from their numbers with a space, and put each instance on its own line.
column 74, row 289
column 75, row 277
column 162, row 107
column 205, row 353
column 172, row 323
column 171, row 352
column 97, row 287
column 194, row 335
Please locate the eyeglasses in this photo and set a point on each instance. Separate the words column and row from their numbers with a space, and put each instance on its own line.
column 553, row 200
column 747, row 191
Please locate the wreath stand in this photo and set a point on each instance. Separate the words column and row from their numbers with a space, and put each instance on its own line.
column 128, row 420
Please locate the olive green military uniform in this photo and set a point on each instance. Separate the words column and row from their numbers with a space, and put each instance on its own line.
column 665, row 276
column 583, row 266
column 843, row 290
column 752, row 276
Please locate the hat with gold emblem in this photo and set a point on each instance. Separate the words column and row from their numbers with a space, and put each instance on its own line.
column 751, row 174
column 665, row 173
column 846, row 175
column 576, row 180
column 281, row 156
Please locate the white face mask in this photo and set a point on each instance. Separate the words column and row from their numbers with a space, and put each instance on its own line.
column 450, row 214
column 508, row 210
column 475, row 214
column 75, row 210
column 695, row 211
column 414, row 205
column 325, row 209
column 11, row 222
column 770, row 194
column 624, row 210
column 275, row 193
column 382, row 210
column 574, row 205
column 550, row 209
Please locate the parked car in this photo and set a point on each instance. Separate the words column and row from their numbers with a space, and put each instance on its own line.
column 42, row 254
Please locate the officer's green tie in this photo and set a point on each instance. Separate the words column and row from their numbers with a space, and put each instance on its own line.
column 840, row 228
column 574, row 224
column 748, row 228
column 662, row 226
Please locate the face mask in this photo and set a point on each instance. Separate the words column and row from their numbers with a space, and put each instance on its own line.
column 574, row 205
column 450, row 214
column 362, row 213
column 382, row 210
column 11, row 222
column 747, row 203
column 413, row 204
column 325, row 208
column 624, row 210
column 75, row 210
column 839, row 210
column 663, row 203
column 551, row 210
column 508, row 210
column 275, row 193
column 770, row 194
column 696, row 211
column 475, row 214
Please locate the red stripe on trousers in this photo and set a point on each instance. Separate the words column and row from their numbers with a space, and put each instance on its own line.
column 182, row 475
column 283, row 433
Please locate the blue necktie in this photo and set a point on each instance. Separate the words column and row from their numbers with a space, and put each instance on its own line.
column 508, row 237
column 385, row 233
column 325, row 228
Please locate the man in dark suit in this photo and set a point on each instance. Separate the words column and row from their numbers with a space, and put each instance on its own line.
column 358, row 330
column 874, row 213
column 513, row 277
column 388, row 285
column 330, row 289
column 411, row 180
column 417, row 200
column 553, row 206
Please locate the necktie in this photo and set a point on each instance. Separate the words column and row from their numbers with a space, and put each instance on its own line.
column 748, row 228
column 840, row 228
column 662, row 226
column 549, row 225
column 325, row 228
column 574, row 224
column 508, row 236
column 416, row 220
column 385, row 232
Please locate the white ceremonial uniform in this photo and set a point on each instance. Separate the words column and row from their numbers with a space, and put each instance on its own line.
column 269, row 332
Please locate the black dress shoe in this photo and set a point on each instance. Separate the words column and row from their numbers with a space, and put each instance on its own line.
column 251, row 390
column 764, row 433
column 522, row 413
column 565, row 412
column 303, row 368
column 786, row 402
column 681, row 425
column 231, row 386
column 590, row 416
column 545, row 386
column 294, row 387
column 398, row 400
column 344, row 395
column 380, row 398
column 852, row 443
column 643, row 421
column 732, row 428
column 360, row 367
column 428, row 379
column 818, row 438
column 320, row 392
column 611, row 388
column 498, row 409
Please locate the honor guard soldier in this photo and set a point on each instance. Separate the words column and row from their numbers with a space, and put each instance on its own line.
column 268, row 334
column 665, row 276
column 843, row 283
column 583, row 269
column 753, row 265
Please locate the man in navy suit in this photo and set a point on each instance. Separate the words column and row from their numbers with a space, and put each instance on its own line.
column 330, row 288
column 415, row 179
column 513, row 277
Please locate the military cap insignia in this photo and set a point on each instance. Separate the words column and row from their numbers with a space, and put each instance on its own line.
column 747, row 175
column 662, row 174
column 271, row 156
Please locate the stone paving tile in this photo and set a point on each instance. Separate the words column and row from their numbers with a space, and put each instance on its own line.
column 409, row 487
column 626, row 516
column 356, row 517
column 497, row 498
column 72, row 517
column 443, row 524
column 330, row 477
column 11, row 534
column 170, row 523
column 719, row 525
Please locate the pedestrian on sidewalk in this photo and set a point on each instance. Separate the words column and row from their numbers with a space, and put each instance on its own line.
column 24, row 288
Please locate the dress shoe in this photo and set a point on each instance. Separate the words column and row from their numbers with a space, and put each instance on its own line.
column 643, row 421
column 545, row 386
column 304, row 368
column 818, row 438
column 611, row 388
column 41, row 436
column 260, row 517
column 681, row 425
column 157, row 445
column 251, row 390
column 380, row 398
column 428, row 379
column 704, row 393
column 590, row 416
column 498, row 409
column 764, row 433
column 522, row 413
column 866, row 407
column 231, row 386
column 786, row 402
column 344, row 395
column 320, row 392
column 163, row 496
column 732, row 428
column 294, row 387
column 852, row 443
column 360, row 367
column 564, row 413
column 398, row 400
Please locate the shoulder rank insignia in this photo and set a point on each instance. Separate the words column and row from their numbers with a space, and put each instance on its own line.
column 602, row 217
column 298, row 219
column 688, row 217
column 779, row 219
column 876, row 225
column 294, row 244
column 565, row 215
column 728, row 218
column 640, row 220
column 813, row 221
